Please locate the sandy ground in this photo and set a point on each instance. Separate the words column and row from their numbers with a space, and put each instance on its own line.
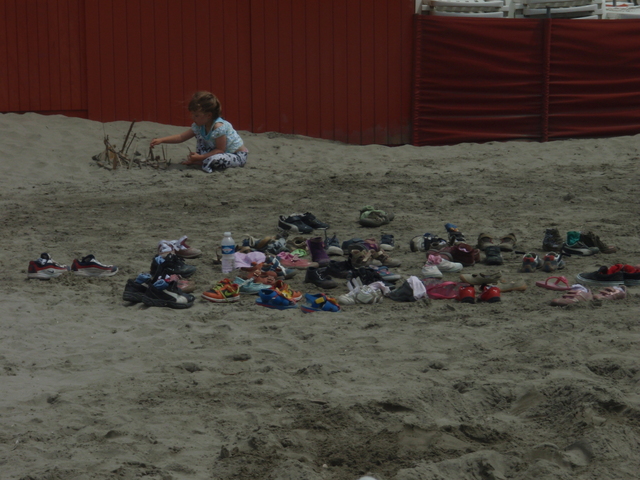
column 95, row 388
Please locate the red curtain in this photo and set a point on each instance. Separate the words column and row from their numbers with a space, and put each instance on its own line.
column 477, row 80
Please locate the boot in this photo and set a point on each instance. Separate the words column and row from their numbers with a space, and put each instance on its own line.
column 318, row 253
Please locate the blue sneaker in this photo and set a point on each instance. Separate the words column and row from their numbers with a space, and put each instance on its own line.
column 249, row 287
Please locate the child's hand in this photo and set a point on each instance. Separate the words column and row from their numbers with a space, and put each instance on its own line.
column 154, row 142
column 191, row 159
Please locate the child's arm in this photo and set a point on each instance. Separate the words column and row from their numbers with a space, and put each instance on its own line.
column 178, row 138
column 195, row 159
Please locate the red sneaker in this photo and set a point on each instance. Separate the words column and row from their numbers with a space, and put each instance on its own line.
column 466, row 294
column 490, row 294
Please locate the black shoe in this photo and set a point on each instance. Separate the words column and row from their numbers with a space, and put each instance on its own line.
column 313, row 222
column 293, row 224
column 169, row 265
column 367, row 276
column 319, row 277
column 134, row 290
column 337, row 269
column 163, row 294
column 403, row 293
column 493, row 255
column 552, row 241
column 601, row 278
column 579, row 248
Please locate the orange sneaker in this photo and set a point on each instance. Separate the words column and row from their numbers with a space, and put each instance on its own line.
column 224, row 291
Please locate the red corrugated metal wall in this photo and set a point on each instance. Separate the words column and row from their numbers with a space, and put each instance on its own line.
column 331, row 69
column 42, row 57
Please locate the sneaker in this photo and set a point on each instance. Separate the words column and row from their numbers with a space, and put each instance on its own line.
column 493, row 255
column 187, row 251
column 44, row 268
column 530, row 263
column 427, row 241
column 313, row 222
column 136, row 288
column 444, row 265
column 319, row 278
column 293, row 224
column 364, row 294
column 490, row 294
column 590, row 239
column 290, row 260
column 385, row 274
column 455, row 236
column 466, row 294
column 579, row 248
column 250, row 286
column 384, row 259
column 90, row 267
column 603, row 277
column 552, row 241
column 224, row 292
column 170, row 265
column 163, row 294
column 366, row 275
column 332, row 245
column 631, row 275
column 387, row 242
column 552, row 261
column 430, row 268
column 370, row 217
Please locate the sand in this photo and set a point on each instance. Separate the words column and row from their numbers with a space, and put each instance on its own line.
column 96, row 388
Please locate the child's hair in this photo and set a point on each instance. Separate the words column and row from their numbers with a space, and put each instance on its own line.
column 205, row 102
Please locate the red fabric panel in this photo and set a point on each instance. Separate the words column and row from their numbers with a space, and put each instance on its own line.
column 476, row 80
column 595, row 68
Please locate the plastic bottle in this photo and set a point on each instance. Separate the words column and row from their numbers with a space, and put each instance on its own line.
column 228, row 247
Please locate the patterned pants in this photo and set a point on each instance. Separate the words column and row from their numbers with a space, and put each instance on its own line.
column 222, row 161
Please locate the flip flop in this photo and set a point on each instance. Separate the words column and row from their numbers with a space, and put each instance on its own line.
column 443, row 290
column 557, row 285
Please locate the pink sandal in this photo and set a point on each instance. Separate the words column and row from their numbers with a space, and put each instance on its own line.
column 560, row 284
column 611, row 293
column 573, row 296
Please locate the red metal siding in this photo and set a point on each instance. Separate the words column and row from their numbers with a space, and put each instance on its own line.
column 324, row 68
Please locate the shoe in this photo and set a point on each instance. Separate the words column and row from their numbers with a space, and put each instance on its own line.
column 484, row 241
column 136, row 288
column 170, row 265
column 339, row 269
column 508, row 242
column 431, row 268
column 480, row 278
column 575, row 295
column 332, row 245
column 631, row 275
column 489, row 293
column 293, row 224
column 463, row 253
column 366, row 275
column 364, row 294
column 358, row 254
column 385, row 274
column 603, row 277
column 273, row 299
column 272, row 264
column 611, row 293
column 186, row 251
column 442, row 290
column 224, row 292
column 289, row 260
column 319, row 255
column 313, row 222
column 90, row 267
column 455, row 236
column 387, row 242
column 444, row 265
column 590, row 239
column 370, row 217
column 552, row 241
column 249, row 286
column 404, row 293
column 554, row 283
column 286, row 291
column 44, row 268
column 575, row 247
column 163, row 294
column 187, row 286
column 493, row 255
column 552, row 261
column 296, row 243
column 384, row 259
column 466, row 294
column 319, row 278
column 319, row 303
column 513, row 286
column 530, row 263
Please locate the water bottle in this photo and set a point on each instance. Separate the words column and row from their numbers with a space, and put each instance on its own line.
column 228, row 247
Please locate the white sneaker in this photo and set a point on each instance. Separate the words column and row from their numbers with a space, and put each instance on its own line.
column 443, row 264
column 431, row 271
column 364, row 294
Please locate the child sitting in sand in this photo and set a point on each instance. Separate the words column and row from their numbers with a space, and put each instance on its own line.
column 218, row 145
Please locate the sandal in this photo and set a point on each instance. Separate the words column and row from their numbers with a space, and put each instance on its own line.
column 556, row 285
column 320, row 303
column 611, row 293
column 573, row 296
